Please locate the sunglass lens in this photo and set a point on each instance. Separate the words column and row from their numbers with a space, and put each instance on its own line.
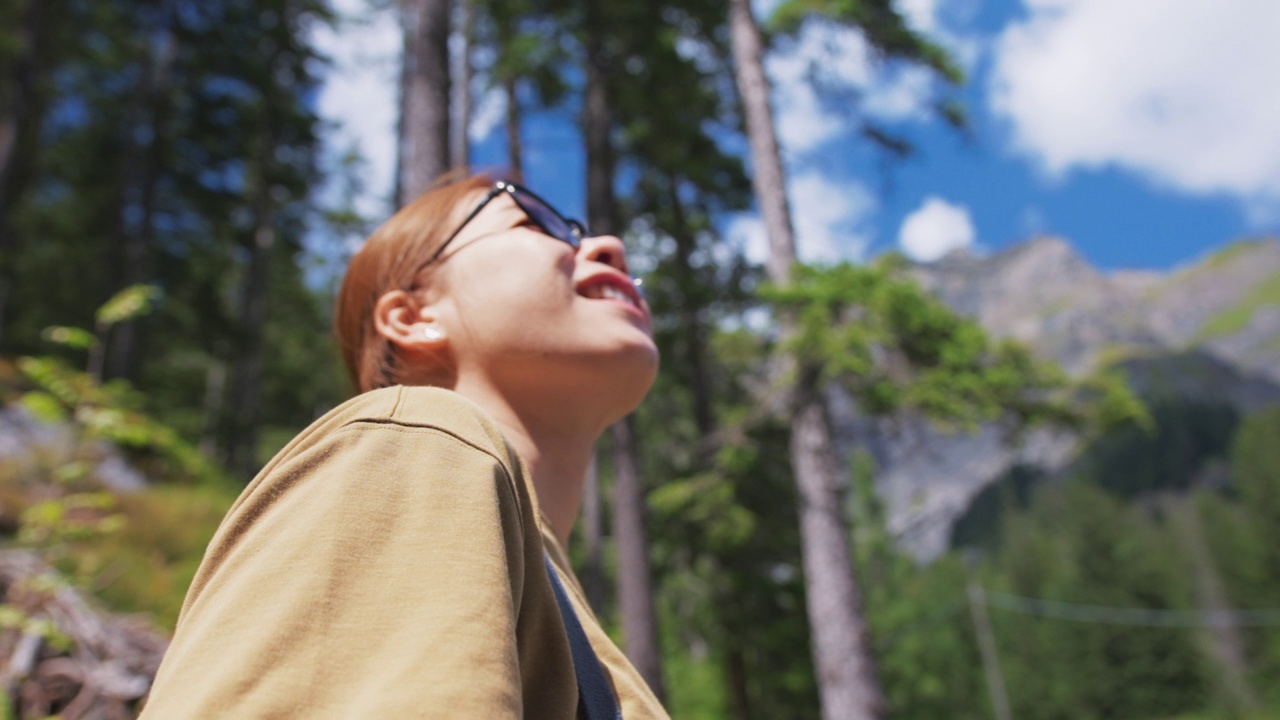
column 550, row 220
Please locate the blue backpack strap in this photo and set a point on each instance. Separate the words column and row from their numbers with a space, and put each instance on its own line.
column 595, row 695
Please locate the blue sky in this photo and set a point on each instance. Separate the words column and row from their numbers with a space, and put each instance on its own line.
column 1145, row 131
column 1119, row 212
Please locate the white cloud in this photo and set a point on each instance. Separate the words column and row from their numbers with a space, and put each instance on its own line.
column 803, row 121
column 763, row 9
column 746, row 232
column 920, row 14
column 841, row 61
column 926, row 16
column 359, row 94
column 934, row 229
column 905, row 96
column 1182, row 92
column 489, row 112
column 831, row 219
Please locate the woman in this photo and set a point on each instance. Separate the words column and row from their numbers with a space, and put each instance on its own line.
column 403, row 556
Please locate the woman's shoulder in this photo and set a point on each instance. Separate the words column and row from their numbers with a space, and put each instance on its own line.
column 408, row 409
column 421, row 406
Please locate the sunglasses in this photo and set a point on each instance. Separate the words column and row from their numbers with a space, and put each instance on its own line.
column 547, row 218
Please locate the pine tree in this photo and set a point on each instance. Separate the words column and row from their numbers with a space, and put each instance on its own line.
column 425, row 96
column 848, row 683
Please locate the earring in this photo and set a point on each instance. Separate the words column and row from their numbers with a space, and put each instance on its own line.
column 432, row 333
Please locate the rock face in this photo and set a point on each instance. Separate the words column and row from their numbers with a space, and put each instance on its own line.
column 25, row 443
column 1208, row 331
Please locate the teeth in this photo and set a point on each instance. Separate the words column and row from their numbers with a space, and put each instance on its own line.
column 606, row 291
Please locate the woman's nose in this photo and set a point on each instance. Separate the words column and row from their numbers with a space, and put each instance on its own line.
column 605, row 249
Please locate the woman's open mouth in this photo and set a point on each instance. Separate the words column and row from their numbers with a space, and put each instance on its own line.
column 612, row 285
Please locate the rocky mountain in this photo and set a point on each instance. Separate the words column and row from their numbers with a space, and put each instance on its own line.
column 1208, row 331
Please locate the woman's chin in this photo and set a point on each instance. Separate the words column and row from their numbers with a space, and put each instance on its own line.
column 624, row 378
column 641, row 383
column 646, row 360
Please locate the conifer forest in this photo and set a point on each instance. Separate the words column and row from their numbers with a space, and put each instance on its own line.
column 173, row 229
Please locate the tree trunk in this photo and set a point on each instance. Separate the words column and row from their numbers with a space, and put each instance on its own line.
column 593, row 537
column 246, row 387
column 18, row 121
column 424, row 97
column 847, row 682
column 846, row 673
column 597, row 125
column 635, row 588
column 690, row 321
column 987, row 648
column 737, row 673
column 767, row 177
column 248, row 365
column 247, row 383
column 1223, row 640
column 461, row 153
column 142, row 172
column 515, row 150
column 215, row 381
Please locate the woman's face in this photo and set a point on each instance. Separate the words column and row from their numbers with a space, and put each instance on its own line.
column 526, row 310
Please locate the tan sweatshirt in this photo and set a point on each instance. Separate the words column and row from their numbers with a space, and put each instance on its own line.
column 387, row 563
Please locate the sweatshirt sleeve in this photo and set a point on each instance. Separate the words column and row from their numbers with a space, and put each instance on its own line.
column 376, row 574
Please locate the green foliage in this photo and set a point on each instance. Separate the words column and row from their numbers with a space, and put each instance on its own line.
column 137, row 554
column 884, row 26
column 1233, row 252
column 143, row 170
column 888, row 35
column 1242, row 551
column 706, row 500
column 107, row 412
column 1079, row 544
column 148, row 563
column 160, row 148
column 517, row 32
column 981, row 524
column 897, row 349
column 1106, row 402
column 1075, row 539
column 726, row 541
column 43, row 406
column 13, row 618
column 1255, row 460
column 128, row 304
column 1182, row 439
column 1230, row 715
column 135, row 551
column 695, row 681
column 79, row 516
column 917, row 616
column 1245, row 535
column 72, row 337
column 731, row 574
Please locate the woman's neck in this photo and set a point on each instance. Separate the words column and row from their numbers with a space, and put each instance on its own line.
column 556, row 451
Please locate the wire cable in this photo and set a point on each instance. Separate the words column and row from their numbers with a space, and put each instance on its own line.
column 1140, row 617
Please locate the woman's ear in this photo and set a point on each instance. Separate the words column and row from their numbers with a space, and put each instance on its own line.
column 413, row 328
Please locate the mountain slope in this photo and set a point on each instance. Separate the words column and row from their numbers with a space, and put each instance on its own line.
column 1207, row 332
